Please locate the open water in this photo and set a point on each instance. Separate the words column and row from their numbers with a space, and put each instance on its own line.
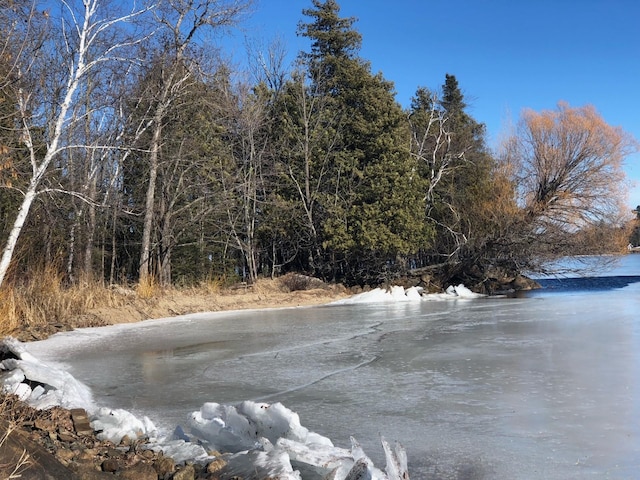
column 545, row 386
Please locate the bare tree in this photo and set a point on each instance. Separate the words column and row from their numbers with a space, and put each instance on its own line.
column 432, row 144
column 311, row 123
column 181, row 23
column 569, row 167
column 566, row 171
column 45, row 105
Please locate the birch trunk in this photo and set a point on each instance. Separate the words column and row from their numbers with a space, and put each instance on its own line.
column 88, row 30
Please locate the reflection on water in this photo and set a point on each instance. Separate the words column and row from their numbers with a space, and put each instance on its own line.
column 501, row 388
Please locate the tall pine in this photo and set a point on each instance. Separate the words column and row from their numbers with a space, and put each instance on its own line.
column 371, row 202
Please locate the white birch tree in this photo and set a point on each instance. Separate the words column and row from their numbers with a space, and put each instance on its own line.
column 83, row 42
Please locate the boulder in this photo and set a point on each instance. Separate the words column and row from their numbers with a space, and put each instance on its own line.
column 524, row 283
column 28, row 459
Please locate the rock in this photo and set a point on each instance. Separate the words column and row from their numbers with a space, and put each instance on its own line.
column 216, row 465
column 45, row 425
column 85, row 457
column 140, row 471
column 185, row 473
column 81, row 421
column 110, row 465
column 65, row 436
column 31, row 460
column 88, row 472
column 64, row 455
column 148, row 454
column 164, row 465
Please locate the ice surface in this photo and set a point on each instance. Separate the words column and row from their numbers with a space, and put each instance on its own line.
column 259, row 440
column 508, row 388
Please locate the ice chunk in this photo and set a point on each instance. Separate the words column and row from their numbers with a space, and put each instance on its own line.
column 180, row 450
column 114, row 425
column 232, row 429
column 324, row 458
column 58, row 386
column 414, row 293
column 268, row 463
column 396, row 460
column 21, row 390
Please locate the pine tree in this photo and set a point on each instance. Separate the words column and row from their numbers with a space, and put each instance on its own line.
column 458, row 169
column 372, row 200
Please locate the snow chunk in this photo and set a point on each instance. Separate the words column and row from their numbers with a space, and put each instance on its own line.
column 397, row 294
column 53, row 385
column 114, row 425
column 233, row 429
column 462, row 292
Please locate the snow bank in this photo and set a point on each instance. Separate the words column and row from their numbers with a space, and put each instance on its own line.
column 397, row 294
column 257, row 440
column 37, row 383
column 267, row 440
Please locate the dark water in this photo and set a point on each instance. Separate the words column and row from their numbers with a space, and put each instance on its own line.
column 541, row 387
column 582, row 284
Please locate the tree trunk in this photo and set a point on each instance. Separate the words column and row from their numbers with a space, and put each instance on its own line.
column 10, row 246
column 91, row 233
column 145, row 247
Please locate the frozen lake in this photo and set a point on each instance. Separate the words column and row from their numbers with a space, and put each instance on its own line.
column 545, row 386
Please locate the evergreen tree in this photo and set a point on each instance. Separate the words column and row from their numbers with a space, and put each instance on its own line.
column 458, row 169
column 372, row 200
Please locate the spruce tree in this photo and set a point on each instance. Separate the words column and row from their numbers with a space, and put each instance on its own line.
column 372, row 199
column 464, row 187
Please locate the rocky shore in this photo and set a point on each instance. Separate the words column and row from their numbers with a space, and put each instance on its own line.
column 59, row 444
column 54, row 444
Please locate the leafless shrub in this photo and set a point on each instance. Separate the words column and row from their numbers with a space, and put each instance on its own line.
column 298, row 282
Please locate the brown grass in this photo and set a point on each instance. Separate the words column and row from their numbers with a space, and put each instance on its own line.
column 38, row 308
column 45, row 300
column 147, row 289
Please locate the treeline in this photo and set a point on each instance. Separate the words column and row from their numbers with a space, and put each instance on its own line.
column 131, row 152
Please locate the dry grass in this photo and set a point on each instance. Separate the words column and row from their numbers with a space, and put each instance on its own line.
column 36, row 309
column 10, row 418
column 212, row 286
column 45, row 300
column 148, row 288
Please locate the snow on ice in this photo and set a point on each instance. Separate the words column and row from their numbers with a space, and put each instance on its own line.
column 258, row 439
column 412, row 294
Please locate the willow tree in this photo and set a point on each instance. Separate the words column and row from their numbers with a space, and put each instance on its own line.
column 567, row 168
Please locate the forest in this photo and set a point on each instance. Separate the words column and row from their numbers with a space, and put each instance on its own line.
column 131, row 152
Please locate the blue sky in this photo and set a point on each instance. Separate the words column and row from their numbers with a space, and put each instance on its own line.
column 506, row 54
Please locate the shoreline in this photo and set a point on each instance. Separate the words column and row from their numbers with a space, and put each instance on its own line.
column 45, row 443
column 127, row 306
